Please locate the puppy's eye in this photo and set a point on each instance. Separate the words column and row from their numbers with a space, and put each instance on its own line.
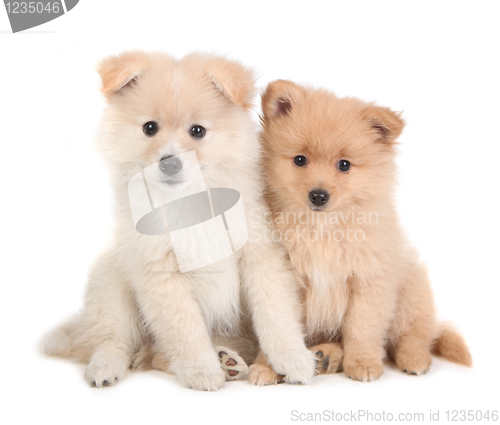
column 300, row 160
column 198, row 132
column 344, row 165
column 150, row 128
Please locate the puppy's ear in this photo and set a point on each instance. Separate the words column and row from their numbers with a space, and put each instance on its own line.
column 384, row 122
column 121, row 71
column 279, row 98
column 233, row 80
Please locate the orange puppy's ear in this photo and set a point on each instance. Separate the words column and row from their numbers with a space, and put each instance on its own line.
column 233, row 80
column 279, row 98
column 120, row 71
column 386, row 123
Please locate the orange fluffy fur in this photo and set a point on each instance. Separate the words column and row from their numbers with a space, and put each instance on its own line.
column 364, row 290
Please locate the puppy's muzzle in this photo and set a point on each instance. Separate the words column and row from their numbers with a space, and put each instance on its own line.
column 170, row 165
column 319, row 197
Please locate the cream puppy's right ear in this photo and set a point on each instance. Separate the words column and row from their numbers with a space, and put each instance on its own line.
column 120, row 71
column 279, row 99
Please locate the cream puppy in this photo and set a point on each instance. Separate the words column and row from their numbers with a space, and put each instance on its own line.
column 159, row 110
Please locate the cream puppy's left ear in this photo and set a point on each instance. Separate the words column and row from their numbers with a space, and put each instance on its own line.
column 384, row 122
column 233, row 80
column 120, row 71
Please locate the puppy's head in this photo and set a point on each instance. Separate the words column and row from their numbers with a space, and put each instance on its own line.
column 323, row 152
column 160, row 108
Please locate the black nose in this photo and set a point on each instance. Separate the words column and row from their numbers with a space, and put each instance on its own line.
column 170, row 165
column 319, row 197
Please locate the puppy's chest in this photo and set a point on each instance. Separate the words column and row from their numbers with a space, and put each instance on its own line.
column 217, row 291
column 326, row 300
column 326, row 270
column 215, row 288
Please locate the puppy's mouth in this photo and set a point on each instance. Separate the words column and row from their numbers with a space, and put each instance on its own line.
column 172, row 182
column 315, row 208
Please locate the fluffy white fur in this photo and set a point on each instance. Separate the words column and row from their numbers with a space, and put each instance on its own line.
column 134, row 301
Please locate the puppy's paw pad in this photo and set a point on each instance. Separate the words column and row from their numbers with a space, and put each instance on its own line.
column 364, row 371
column 328, row 358
column 263, row 375
column 322, row 363
column 233, row 366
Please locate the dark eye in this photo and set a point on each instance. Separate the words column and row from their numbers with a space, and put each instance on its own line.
column 198, row 132
column 150, row 128
column 300, row 160
column 344, row 165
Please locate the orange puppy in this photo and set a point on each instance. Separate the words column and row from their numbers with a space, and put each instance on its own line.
column 330, row 170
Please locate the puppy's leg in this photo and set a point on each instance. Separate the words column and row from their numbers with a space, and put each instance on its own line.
column 261, row 373
column 414, row 326
column 111, row 325
column 366, row 326
column 328, row 357
column 412, row 354
column 271, row 293
column 179, row 329
column 233, row 366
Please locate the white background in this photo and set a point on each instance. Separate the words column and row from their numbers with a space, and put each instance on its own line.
column 436, row 61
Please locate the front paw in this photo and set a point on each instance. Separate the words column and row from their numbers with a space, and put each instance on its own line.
column 203, row 374
column 296, row 367
column 202, row 380
column 363, row 370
